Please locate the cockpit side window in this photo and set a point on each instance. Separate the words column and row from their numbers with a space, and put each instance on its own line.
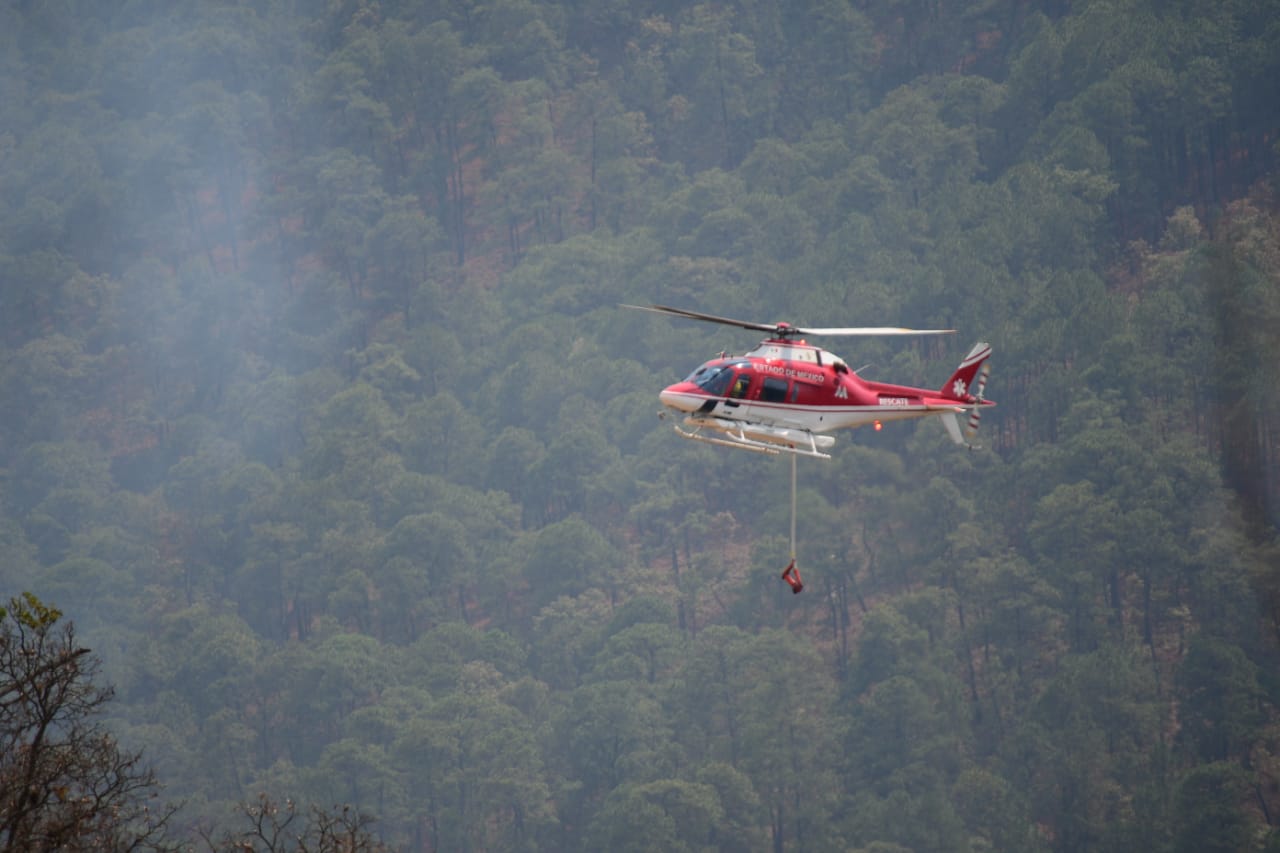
column 741, row 386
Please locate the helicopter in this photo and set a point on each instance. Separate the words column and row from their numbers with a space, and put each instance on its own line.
column 786, row 395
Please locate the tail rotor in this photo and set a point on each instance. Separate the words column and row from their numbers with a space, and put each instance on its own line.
column 975, row 412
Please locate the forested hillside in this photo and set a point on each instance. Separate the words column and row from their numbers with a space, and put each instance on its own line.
column 323, row 425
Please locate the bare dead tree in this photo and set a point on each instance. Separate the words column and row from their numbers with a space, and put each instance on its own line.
column 286, row 828
column 65, row 784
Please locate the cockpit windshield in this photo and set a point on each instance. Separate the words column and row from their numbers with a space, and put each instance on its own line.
column 713, row 378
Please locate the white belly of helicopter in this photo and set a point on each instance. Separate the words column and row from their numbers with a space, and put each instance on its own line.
column 805, row 418
column 829, row 418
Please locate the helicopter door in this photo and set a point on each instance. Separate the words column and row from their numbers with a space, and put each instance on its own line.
column 739, row 391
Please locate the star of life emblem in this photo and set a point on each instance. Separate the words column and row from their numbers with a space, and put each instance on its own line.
column 958, row 388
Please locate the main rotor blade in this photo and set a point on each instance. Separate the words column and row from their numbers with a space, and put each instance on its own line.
column 785, row 329
column 875, row 330
column 710, row 318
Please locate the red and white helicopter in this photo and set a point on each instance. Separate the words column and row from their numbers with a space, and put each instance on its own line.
column 786, row 394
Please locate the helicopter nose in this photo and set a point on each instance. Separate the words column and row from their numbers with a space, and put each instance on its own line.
column 678, row 397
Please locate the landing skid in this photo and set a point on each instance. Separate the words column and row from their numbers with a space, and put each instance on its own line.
column 736, row 436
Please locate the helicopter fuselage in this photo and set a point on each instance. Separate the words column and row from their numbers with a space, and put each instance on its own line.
column 784, row 392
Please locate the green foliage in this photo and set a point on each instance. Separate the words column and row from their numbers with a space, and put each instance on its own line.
column 1222, row 702
column 31, row 612
column 321, row 419
column 1209, row 814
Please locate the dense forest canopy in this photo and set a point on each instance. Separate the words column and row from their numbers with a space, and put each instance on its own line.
column 322, row 423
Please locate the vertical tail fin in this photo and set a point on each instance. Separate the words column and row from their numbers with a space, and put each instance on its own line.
column 968, row 386
column 960, row 386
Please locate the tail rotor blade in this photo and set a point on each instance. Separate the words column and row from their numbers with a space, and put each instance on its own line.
column 975, row 413
column 971, row 429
